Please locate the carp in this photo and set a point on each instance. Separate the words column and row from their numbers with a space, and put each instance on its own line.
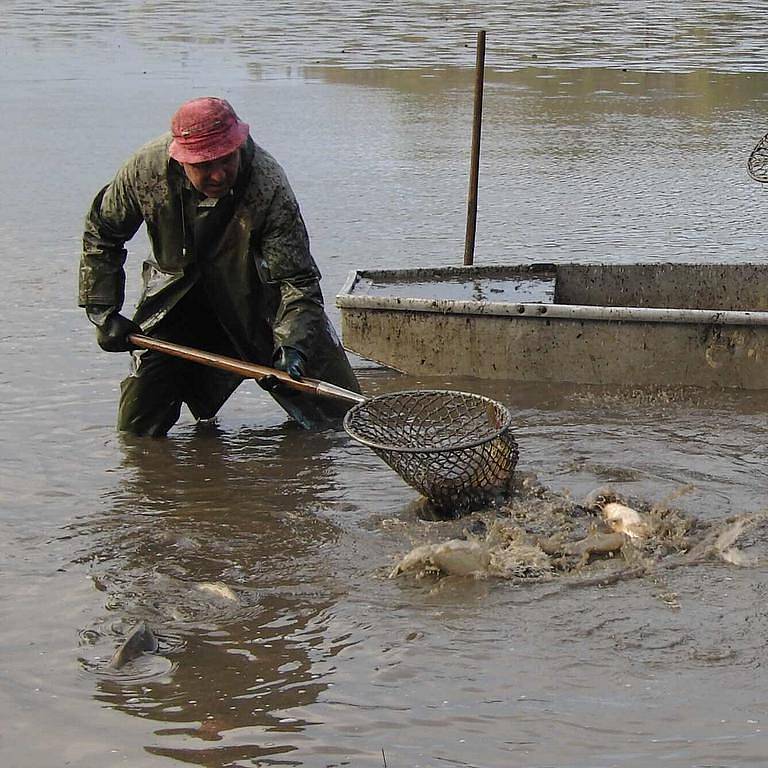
column 140, row 639
column 454, row 557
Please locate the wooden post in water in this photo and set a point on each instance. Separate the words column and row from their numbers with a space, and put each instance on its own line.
column 469, row 241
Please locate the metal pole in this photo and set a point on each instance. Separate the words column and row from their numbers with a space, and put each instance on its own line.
column 469, row 241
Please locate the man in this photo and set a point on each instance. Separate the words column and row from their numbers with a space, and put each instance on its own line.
column 231, row 272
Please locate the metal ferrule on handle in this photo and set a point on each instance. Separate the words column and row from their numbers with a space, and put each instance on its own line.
column 255, row 371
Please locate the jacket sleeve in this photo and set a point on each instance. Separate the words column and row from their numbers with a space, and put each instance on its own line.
column 113, row 219
column 286, row 258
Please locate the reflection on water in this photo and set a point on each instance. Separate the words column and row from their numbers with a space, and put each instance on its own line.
column 190, row 512
column 652, row 34
column 230, row 679
column 263, row 485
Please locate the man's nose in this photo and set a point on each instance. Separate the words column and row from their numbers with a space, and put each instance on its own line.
column 217, row 174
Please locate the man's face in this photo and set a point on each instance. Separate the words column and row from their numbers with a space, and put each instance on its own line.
column 216, row 177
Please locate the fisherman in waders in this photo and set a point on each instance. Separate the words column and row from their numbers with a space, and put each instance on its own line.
column 230, row 272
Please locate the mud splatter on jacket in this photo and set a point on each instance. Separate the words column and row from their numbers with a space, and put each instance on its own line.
column 254, row 262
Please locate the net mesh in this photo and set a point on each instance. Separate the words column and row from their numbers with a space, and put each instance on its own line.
column 757, row 164
column 452, row 447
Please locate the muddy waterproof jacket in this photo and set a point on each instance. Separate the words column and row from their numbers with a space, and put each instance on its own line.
column 252, row 258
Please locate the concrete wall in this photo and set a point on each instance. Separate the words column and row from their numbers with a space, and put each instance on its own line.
column 561, row 350
column 682, row 286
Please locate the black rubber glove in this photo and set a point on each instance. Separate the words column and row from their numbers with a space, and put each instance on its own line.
column 270, row 384
column 291, row 361
column 112, row 334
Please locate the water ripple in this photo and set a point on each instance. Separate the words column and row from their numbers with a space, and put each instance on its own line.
column 655, row 35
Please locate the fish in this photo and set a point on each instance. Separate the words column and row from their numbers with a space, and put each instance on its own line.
column 722, row 542
column 454, row 557
column 141, row 639
column 594, row 544
column 218, row 589
column 502, row 454
column 623, row 519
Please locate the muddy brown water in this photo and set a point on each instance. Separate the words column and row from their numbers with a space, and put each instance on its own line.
column 612, row 132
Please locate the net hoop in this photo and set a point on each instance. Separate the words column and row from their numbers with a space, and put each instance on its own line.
column 354, row 412
column 455, row 448
column 757, row 164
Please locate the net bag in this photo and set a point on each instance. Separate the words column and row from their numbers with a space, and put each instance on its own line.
column 757, row 163
column 452, row 447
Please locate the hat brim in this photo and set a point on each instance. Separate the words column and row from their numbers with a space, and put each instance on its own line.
column 205, row 152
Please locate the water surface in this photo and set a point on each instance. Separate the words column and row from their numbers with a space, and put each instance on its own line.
column 614, row 132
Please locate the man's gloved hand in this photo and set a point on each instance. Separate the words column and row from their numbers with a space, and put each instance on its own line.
column 271, row 384
column 112, row 333
column 291, row 361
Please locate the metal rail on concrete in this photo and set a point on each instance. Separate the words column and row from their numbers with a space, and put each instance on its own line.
column 559, row 311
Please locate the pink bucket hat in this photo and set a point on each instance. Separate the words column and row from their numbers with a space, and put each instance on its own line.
column 204, row 129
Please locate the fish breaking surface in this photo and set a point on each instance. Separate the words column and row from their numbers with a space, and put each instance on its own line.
column 539, row 535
